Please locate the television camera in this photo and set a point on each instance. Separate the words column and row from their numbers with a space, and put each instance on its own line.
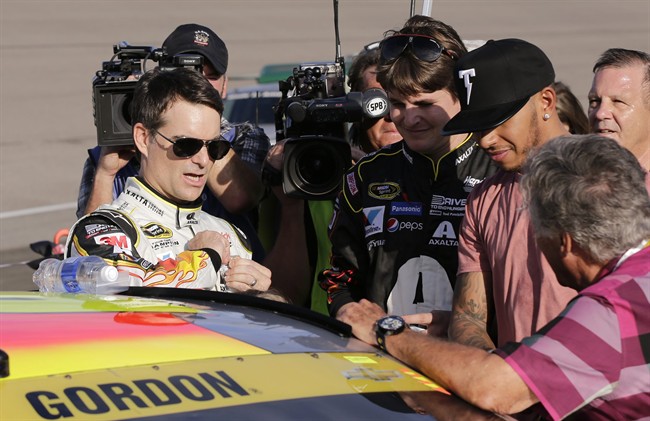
column 114, row 84
column 313, row 115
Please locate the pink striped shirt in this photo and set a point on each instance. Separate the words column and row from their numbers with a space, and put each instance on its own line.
column 593, row 358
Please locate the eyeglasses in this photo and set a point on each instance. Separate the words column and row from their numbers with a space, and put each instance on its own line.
column 189, row 146
column 424, row 48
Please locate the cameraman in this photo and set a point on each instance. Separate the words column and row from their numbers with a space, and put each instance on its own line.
column 306, row 245
column 234, row 183
column 370, row 134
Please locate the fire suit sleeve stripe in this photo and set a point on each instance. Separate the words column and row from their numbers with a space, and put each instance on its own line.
column 215, row 257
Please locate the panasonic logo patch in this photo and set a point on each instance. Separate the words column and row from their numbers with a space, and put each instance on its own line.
column 406, row 208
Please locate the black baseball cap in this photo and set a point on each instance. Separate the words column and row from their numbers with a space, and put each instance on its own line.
column 198, row 39
column 495, row 81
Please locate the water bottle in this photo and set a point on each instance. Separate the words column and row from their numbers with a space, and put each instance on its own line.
column 84, row 274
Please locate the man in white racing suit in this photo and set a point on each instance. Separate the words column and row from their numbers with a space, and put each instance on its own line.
column 155, row 230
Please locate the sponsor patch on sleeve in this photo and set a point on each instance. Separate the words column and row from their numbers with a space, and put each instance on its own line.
column 121, row 242
column 352, row 183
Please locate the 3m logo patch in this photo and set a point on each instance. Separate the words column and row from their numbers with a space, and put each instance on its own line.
column 384, row 191
column 119, row 241
column 374, row 220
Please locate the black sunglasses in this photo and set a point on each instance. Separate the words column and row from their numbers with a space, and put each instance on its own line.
column 423, row 47
column 185, row 147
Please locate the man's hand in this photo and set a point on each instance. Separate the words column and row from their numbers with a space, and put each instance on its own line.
column 437, row 321
column 362, row 317
column 274, row 159
column 245, row 274
column 211, row 240
column 111, row 160
column 275, row 156
column 114, row 158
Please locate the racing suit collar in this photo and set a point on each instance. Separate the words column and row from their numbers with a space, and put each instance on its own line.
column 176, row 203
column 184, row 213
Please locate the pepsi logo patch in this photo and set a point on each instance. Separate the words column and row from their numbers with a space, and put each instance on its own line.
column 392, row 225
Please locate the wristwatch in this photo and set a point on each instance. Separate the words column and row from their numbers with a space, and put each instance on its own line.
column 387, row 326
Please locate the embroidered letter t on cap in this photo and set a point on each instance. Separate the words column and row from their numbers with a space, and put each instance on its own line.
column 495, row 81
column 197, row 39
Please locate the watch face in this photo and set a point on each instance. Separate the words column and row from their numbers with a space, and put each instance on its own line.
column 391, row 323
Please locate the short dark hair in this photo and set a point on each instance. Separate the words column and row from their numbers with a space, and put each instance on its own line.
column 620, row 57
column 158, row 89
column 364, row 60
column 411, row 76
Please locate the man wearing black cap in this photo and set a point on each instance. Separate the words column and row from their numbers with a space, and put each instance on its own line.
column 503, row 277
column 192, row 38
column 234, row 183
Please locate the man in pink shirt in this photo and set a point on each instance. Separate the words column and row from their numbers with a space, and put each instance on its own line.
column 591, row 217
column 506, row 96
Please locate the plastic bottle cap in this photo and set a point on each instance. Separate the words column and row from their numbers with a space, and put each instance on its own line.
column 109, row 273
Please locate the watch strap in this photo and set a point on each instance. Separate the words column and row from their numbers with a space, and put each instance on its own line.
column 382, row 332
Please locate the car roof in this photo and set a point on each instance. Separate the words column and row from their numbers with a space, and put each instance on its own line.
column 263, row 90
column 168, row 352
column 275, row 72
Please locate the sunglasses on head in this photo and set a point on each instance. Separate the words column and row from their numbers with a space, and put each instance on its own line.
column 423, row 47
column 185, row 147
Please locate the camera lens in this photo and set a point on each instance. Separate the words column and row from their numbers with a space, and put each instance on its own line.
column 112, row 105
column 314, row 168
column 315, row 164
column 121, row 108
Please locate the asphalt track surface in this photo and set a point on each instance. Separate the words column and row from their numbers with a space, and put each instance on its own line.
column 50, row 49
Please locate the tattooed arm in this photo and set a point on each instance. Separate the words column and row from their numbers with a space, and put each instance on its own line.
column 471, row 309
